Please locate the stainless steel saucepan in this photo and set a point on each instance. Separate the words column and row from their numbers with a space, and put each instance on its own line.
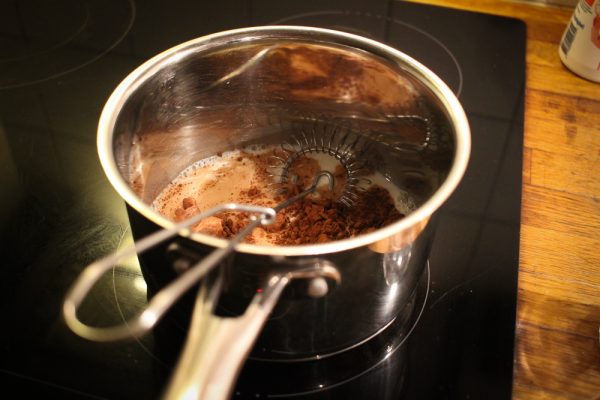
column 262, row 86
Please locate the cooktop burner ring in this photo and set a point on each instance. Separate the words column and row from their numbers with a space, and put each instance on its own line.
column 386, row 343
column 378, row 353
column 390, row 350
column 55, row 42
column 48, row 42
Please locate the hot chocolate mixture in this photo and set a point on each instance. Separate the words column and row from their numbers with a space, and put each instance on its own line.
column 244, row 176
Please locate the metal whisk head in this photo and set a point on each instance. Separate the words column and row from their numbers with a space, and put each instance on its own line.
column 336, row 141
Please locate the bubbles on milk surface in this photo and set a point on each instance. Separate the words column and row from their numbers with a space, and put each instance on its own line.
column 221, row 178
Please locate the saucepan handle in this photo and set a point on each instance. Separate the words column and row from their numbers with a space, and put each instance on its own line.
column 217, row 347
column 161, row 302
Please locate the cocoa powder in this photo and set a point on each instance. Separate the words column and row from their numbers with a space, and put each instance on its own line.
column 317, row 218
column 320, row 220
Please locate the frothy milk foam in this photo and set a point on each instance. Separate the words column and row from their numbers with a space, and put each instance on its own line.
column 206, row 181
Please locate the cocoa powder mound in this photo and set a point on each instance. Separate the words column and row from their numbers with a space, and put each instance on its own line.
column 317, row 218
column 320, row 220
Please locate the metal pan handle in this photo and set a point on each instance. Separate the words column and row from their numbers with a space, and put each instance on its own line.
column 216, row 347
column 164, row 299
column 160, row 303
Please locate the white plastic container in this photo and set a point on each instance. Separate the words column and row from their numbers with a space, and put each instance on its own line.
column 579, row 47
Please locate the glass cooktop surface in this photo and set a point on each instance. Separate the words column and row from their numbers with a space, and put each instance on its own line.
column 59, row 62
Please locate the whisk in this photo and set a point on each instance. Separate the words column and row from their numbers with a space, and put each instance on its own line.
column 256, row 313
column 335, row 141
column 159, row 304
column 350, row 147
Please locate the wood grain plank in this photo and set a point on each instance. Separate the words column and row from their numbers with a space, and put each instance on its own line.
column 526, row 165
column 546, row 103
column 555, row 304
column 526, row 11
column 522, row 391
column 557, row 361
column 558, row 108
column 567, row 173
column 543, row 53
column 544, row 31
column 561, row 212
column 562, row 124
column 562, row 137
column 566, row 257
column 560, row 80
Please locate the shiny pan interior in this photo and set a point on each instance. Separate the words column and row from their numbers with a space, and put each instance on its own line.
column 263, row 86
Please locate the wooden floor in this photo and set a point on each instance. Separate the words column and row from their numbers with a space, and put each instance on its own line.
column 557, row 355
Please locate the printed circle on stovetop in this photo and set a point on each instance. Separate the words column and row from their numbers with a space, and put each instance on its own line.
column 410, row 39
column 294, row 379
column 347, row 370
column 47, row 39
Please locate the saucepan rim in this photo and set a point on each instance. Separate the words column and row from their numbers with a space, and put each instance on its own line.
column 149, row 69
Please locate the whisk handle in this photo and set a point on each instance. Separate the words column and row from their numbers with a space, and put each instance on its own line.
column 163, row 300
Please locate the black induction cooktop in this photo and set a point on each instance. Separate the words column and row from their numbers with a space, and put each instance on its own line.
column 59, row 62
